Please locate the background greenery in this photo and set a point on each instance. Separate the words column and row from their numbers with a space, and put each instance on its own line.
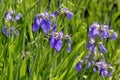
column 41, row 61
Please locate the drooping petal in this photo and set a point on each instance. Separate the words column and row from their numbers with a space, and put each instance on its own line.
column 54, row 27
column 91, row 44
column 4, row 31
column 102, row 48
column 114, row 36
column 36, row 24
column 69, row 15
column 46, row 25
column 110, row 73
column 88, row 64
column 104, row 32
column 5, row 15
column 88, row 56
column 95, row 69
column 103, row 72
column 56, row 13
column 58, row 45
column 53, row 41
column 69, row 46
column 18, row 16
column 78, row 66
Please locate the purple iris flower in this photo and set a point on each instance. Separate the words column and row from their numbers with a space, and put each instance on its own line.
column 78, row 66
column 111, row 72
column 102, row 66
column 104, row 32
column 46, row 25
column 43, row 21
column 103, row 72
column 102, row 48
column 9, row 15
column 68, row 14
column 9, row 32
column 114, row 36
column 94, row 30
column 56, row 41
column 91, row 44
column 19, row 15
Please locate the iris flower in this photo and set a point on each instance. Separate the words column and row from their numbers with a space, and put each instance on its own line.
column 103, row 67
column 56, row 41
column 9, row 15
column 10, row 31
column 43, row 21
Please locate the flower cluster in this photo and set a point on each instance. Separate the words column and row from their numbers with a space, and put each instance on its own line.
column 10, row 31
column 10, row 16
column 103, row 68
column 47, row 22
column 97, row 35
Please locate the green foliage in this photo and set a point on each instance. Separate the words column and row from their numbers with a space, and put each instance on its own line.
column 44, row 63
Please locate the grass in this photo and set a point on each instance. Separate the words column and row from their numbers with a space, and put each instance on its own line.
column 42, row 62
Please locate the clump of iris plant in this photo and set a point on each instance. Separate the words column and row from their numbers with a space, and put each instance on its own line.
column 97, row 35
column 10, row 16
column 47, row 22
